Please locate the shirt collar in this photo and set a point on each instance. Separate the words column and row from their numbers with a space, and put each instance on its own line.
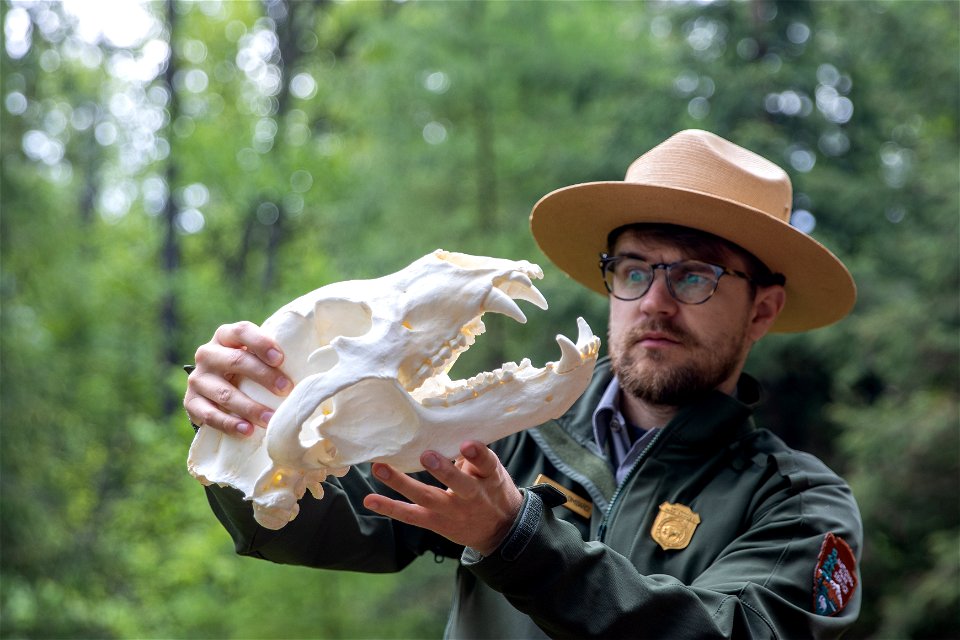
column 607, row 409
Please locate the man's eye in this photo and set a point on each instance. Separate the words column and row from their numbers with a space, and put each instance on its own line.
column 694, row 279
column 635, row 276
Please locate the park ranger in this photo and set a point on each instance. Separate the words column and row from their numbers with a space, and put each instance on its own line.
column 655, row 507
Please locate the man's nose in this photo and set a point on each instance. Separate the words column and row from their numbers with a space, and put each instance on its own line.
column 657, row 300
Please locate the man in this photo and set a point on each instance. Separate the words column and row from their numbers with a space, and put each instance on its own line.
column 654, row 507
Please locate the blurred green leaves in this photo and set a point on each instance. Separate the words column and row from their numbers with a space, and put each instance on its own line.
column 299, row 143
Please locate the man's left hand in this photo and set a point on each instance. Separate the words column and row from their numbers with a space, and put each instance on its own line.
column 477, row 508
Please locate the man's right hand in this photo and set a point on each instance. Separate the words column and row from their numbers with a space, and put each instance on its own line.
column 236, row 351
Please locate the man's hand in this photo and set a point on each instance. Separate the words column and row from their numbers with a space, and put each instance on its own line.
column 236, row 351
column 477, row 509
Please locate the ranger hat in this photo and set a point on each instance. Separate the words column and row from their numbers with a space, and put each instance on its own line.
column 699, row 180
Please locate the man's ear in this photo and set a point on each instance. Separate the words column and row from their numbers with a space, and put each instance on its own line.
column 767, row 305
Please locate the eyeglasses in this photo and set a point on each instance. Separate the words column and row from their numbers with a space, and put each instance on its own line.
column 688, row 281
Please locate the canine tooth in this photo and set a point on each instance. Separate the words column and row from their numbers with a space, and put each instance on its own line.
column 570, row 359
column 519, row 287
column 587, row 343
column 499, row 302
column 532, row 295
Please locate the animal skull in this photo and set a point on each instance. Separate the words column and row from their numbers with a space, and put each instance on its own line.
column 369, row 362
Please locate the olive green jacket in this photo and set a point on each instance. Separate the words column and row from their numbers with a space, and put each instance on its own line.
column 752, row 566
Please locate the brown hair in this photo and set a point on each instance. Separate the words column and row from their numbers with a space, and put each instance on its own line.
column 704, row 246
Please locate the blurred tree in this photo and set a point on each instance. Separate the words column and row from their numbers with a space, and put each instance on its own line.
column 266, row 148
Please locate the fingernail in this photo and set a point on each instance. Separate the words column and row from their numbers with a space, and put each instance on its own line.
column 381, row 472
column 245, row 428
column 431, row 461
column 274, row 357
column 469, row 451
column 282, row 383
column 265, row 417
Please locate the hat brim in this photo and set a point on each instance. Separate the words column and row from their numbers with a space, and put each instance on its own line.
column 571, row 226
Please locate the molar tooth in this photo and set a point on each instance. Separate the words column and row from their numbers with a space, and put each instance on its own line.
column 473, row 328
column 461, row 395
column 443, row 355
column 570, row 359
column 423, row 373
column 499, row 302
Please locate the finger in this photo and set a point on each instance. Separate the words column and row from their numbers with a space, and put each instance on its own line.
column 222, row 399
column 483, row 463
column 203, row 412
column 407, row 486
column 230, row 362
column 403, row 511
column 248, row 336
column 460, row 481
column 422, row 497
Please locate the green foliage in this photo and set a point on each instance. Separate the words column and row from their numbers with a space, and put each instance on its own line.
column 290, row 144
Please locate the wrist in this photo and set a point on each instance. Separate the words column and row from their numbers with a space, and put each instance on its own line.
column 505, row 526
column 533, row 501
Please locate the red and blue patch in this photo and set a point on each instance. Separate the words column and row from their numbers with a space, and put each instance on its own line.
column 835, row 577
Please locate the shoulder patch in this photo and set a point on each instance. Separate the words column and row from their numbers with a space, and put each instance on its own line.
column 835, row 576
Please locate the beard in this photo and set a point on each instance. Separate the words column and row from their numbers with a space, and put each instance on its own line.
column 650, row 376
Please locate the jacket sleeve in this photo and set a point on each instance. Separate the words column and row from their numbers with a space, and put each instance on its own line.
column 336, row 532
column 760, row 586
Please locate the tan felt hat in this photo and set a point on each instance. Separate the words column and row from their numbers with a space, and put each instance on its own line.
column 699, row 180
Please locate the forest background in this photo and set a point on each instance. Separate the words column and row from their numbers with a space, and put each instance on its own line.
column 171, row 166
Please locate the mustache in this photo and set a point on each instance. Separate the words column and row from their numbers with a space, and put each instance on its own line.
column 668, row 328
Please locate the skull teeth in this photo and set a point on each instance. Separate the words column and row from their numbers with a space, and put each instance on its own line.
column 445, row 393
column 519, row 287
column 573, row 355
column 476, row 386
column 499, row 302
column 448, row 353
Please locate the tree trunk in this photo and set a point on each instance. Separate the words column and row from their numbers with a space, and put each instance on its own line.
column 170, row 251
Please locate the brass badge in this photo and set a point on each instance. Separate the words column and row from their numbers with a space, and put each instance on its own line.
column 574, row 502
column 674, row 526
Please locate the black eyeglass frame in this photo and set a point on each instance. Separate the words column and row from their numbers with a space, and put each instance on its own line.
column 719, row 271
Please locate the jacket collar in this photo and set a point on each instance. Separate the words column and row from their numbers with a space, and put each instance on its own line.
column 716, row 420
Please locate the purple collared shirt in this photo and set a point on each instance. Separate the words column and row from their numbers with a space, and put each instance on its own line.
column 622, row 441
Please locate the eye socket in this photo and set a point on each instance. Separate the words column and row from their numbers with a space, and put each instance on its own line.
column 693, row 276
column 634, row 275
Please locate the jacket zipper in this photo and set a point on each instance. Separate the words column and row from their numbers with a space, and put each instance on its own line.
column 602, row 529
